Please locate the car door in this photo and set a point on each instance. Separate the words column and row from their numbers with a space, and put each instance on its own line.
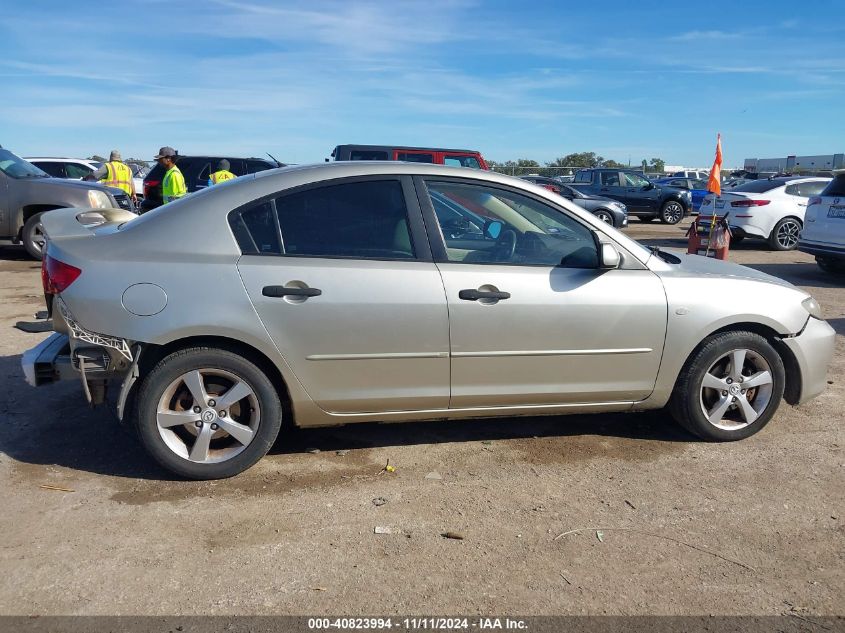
column 533, row 320
column 610, row 185
column 798, row 195
column 342, row 277
column 641, row 196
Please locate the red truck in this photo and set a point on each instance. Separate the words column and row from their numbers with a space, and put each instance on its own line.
column 437, row 155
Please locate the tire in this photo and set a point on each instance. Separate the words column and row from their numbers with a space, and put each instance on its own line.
column 728, row 409
column 671, row 212
column 604, row 216
column 784, row 236
column 32, row 236
column 736, row 239
column 830, row 265
column 233, row 440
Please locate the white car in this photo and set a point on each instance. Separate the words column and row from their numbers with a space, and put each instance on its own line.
column 824, row 226
column 696, row 174
column 78, row 168
column 771, row 209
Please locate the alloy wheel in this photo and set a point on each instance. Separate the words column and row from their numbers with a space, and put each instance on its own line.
column 787, row 235
column 673, row 213
column 208, row 416
column 605, row 217
column 736, row 389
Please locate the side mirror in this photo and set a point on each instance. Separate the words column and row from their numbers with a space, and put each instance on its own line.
column 648, row 187
column 609, row 257
column 493, row 229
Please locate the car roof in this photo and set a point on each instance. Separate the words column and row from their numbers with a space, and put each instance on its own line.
column 390, row 147
column 80, row 160
column 226, row 156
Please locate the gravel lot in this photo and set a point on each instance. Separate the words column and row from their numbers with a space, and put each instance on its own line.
column 755, row 527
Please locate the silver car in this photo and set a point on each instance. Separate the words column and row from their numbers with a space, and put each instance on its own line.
column 358, row 292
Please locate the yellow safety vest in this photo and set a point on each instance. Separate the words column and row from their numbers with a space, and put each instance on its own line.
column 221, row 176
column 118, row 175
column 173, row 185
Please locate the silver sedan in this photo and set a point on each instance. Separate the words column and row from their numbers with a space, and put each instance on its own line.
column 358, row 292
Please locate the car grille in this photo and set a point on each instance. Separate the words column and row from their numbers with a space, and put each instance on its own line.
column 123, row 201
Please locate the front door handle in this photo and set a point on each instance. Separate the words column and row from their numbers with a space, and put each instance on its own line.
column 471, row 294
column 286, row 291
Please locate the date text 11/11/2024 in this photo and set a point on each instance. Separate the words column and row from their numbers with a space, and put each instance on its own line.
column 418, row 624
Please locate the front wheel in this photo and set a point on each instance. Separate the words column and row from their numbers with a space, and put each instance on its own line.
column 671, row 212
column 784, row 236
column 32, row 236
column 830, row 265
column 604, row 216
column 206, row 413
column 729, row 388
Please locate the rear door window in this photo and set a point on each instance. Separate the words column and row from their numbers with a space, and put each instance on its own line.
column 610, row 179
column 360, row 220
column 56, row 170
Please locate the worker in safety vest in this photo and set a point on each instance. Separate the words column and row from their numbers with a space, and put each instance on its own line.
column 222, row 174
column 173, row 183
column 116, row 173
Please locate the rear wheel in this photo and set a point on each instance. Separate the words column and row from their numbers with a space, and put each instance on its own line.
column 32, row 236
column 784, row 236
column 671, row 212
column 206, row 413
column 730, row 388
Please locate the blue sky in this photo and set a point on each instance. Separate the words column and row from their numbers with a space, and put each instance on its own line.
column 629, row 80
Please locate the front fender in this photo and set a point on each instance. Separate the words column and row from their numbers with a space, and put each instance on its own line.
column 700, row 306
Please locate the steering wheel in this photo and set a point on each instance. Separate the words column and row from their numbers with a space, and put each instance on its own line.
column 505, row 246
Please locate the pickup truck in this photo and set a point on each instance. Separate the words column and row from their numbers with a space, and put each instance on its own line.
column 643, row 198
column 26, row 193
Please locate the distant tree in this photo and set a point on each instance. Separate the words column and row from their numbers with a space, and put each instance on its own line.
column 657, row 164
column 613, row 163
column 97, row 158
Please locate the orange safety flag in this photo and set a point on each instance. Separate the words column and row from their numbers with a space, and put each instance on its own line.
column 714, row 183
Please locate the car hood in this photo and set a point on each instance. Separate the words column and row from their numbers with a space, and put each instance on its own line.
column 699, row 266
column 61, row 183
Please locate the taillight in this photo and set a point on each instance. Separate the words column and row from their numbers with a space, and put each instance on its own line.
column 750, row 203
column 56, row 276
column 149, row 187
column 814, row 200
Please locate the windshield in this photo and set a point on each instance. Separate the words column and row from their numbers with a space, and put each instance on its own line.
column 16, row 167
column 759, row 186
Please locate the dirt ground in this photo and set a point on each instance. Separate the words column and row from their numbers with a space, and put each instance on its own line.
column 754, row 527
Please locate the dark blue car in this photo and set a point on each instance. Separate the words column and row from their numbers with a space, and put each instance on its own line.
column 697, row 187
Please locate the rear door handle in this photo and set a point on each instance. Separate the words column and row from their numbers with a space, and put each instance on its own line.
column 474, row 295
column 286, row 291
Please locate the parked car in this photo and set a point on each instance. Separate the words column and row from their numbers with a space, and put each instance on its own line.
column 697, row 187
column 824, row 226
column 334, row 294
column 79, row 169
column 197, row 170
column 605, row 209
column 641, row 197
column 437, row 155
column 771, row 209
column 695, row 174
column 27, row 193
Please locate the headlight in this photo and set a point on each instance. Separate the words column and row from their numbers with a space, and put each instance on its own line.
column 99, row 199
column 812, row 306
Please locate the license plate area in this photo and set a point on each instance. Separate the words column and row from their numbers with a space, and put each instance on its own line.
column 836, row 211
